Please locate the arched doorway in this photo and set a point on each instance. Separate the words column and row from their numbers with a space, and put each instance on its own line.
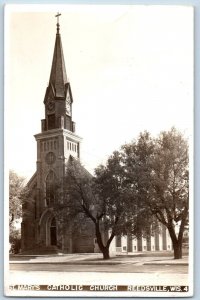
column 48, row 229
column 53, row 233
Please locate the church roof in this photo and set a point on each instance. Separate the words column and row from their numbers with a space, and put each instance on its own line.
column 32, row 181
column 58, row 76
column 74, row 162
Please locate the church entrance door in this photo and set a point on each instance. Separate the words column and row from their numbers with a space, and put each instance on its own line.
column 53, row 233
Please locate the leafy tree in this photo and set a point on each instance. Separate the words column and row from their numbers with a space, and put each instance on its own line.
column 117, row 202
column 15, row 240
column 16, row 190
column 159, row 170
column 100, row 198
column 16, row 185
column 170, row 185
column 136, row 158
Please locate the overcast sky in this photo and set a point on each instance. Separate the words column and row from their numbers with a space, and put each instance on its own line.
column 130, row 69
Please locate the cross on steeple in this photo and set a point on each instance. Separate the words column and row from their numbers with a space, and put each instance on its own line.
column 58, row 25
column 57, row 16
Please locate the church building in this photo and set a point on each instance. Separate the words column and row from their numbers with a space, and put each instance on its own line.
column 41, row 230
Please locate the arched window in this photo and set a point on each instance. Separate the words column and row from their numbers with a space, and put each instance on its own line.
column 50, row 188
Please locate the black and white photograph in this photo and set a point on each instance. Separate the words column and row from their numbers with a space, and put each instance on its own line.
column 99, row 150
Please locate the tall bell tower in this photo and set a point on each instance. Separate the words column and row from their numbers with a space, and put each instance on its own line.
column 57, row 140
column 55, row 144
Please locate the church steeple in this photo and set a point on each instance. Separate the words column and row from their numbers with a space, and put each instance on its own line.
column 58, row 76
column 58, row 98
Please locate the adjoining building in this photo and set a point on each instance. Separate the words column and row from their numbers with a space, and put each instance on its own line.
column 42, row 231
column 159, row 241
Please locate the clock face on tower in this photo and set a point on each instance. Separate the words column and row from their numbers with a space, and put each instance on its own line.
column 50, row 106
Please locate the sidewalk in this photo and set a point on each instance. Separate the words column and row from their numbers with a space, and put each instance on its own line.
column 96, row 259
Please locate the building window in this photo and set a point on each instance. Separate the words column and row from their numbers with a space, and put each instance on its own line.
column 50, row 158
column 51, row 122
column 50, row 188
column 118, row 241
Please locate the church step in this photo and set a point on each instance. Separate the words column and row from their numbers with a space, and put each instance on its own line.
column 41, row 250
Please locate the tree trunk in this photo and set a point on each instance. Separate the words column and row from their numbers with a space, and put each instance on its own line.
column 177, row 249
column 176, row 242
column 104, row 249
column 105, row 252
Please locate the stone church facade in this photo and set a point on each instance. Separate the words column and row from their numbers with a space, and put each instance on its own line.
column 41, row 229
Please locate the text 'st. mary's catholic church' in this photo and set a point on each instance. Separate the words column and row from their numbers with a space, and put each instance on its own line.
column 57, row 142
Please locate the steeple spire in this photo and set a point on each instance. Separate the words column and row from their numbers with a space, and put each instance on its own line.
column 58, row 76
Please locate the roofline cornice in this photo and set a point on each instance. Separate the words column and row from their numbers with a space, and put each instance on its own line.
column 57, row 132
